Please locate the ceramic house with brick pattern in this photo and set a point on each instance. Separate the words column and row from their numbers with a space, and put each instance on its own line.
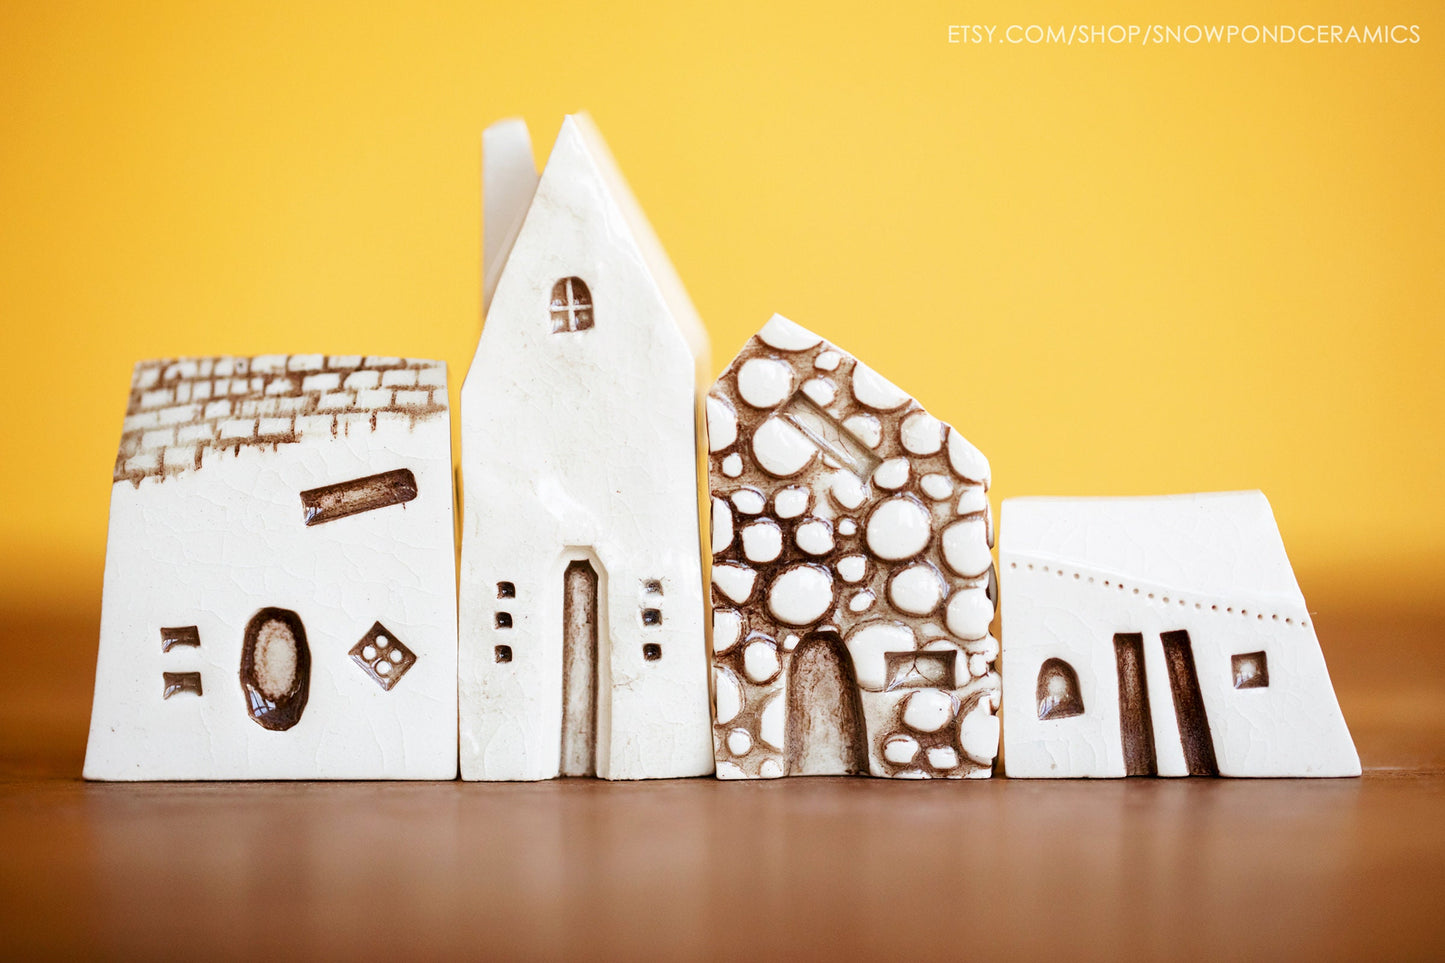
column 582, row 646
column 279, row 582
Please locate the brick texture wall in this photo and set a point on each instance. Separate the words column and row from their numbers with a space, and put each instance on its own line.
column 184, row 413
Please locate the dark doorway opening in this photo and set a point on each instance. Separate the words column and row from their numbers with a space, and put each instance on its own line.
column 1189, row 705
column 579, row 669
column 826, row 735
column 1136, row 725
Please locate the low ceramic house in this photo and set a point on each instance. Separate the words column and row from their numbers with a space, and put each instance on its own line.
column 1160, row 636
column 583, row 646
column 279, row 579
column 852, row 575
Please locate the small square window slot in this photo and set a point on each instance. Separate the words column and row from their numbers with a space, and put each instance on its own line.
column 504, row 620
column 506, row 590
column 504, row 653
column 652, row 616
column 652, row 586
column 652, row 651
column 1251, row 670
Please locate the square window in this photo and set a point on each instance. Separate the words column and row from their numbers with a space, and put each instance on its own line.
column 652, row 616
column 927, row 669
column 504, row 653
column 506, row 590
column 652, row 586
column 652, row 652
column 1251, row 670
column 504, row 620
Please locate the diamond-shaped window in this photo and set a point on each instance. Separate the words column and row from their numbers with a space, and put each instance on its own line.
column 383, row 656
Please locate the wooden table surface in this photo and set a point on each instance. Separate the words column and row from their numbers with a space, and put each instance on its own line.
column 801, row 868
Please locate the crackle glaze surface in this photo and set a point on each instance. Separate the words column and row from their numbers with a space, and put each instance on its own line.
column 852, row 574
column 583, row 649
column 267, row 515
column 1160, row 636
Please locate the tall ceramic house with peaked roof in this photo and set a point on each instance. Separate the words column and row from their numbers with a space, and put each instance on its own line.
column 582, row 638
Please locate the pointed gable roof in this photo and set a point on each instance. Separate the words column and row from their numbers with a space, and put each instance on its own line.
column 580, row 141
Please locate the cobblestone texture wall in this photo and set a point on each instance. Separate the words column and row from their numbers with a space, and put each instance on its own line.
column 842, row 510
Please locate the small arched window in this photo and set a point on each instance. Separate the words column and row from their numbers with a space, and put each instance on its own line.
column 1058, row 691
column 571, row 306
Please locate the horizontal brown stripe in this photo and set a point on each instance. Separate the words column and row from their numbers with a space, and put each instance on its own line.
column 180, row 682
column 358, row 495
column 180, row 635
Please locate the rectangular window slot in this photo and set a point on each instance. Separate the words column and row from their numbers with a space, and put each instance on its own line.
column 506, row 590
column 652, row 652
column 823, row 430
column 180, row 635
column 921, row 670
column 331, row 502
column 504, row 620
column 503, row 653
column 652, row 586
column 1194, row 734
column 1136, row 721
column 652, row 616
column 177, row 682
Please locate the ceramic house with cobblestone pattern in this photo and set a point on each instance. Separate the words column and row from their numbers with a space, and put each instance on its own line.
column 852, row 574
column 583, row 649
column 279, row 578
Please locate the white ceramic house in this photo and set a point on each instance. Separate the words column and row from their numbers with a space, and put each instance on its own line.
column 582, row 638
column 279, row 578
column 1160, row 636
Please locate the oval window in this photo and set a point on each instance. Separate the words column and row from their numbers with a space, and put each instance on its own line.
column 275, row 668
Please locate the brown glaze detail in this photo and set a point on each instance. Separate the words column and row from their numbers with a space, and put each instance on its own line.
column 1251, row 670
column 579, row 669
column 1194, row 732
column 825, row 728
column 571, row 306
column 183, row 412
column 823, row 430
column 1136, row 724
column 277, row 711
column 921, row 669
column 187, row 635
column 175, row 682
column 506, row 590
column 502, row 653
column 651, row 617
column 503, row 620
column 390, row 658
column 946, row 737
column 1058, row 692
column 652, row 651
column 331, row 502
column 652, row 586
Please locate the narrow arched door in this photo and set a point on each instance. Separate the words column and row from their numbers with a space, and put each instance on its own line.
column 579, row 669
column 826, row 735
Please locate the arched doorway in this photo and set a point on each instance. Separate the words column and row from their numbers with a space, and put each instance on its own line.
column 825, row 734
column 579, row 669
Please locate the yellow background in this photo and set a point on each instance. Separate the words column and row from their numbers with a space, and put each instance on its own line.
column 1116, row 269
